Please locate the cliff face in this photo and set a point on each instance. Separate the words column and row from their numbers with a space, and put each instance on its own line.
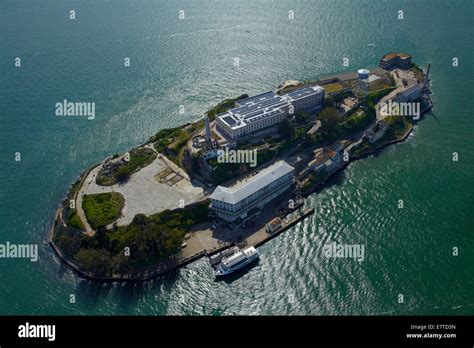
column 205, row 170
column 187, row 162
column 197, row 166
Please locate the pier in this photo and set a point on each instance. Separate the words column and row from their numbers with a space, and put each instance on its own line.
column 250, row 211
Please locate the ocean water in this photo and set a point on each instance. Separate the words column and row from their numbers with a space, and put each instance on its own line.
column 190, row 62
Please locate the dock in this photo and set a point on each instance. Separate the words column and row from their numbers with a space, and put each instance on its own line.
column 262, row 235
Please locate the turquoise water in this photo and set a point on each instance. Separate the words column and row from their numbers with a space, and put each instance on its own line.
column 190, row 62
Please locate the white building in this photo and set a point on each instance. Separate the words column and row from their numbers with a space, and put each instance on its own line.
column 309, row 99
column 252, row 194
column 267, row 110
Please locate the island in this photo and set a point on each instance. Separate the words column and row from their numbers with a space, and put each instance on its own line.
column 238, row 176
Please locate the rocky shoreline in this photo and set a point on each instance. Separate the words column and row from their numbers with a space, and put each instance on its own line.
column 173, row 262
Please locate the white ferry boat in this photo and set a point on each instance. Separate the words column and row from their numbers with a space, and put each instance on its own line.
column 217, row 258
column 236, row 261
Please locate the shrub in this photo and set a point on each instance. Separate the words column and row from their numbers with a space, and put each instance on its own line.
column 103, row 208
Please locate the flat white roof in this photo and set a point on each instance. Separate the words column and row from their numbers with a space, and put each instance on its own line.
column 245, row 188
column 303, row 92
column 265, row 105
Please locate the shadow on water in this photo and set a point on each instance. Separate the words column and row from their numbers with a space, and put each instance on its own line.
column 128, row 294
column 91, row 293
column 229, row 279
column 432, row 114
column 335, row 180
column 63, row 270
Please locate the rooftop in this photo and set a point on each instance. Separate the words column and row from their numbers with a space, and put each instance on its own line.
column 252, row 184
column 389, row 56
column 392, row 55
column 256, row 98
column 253, row 108
column 263, row 105
column 415, row 88
column 303, row 92
column 323, row 156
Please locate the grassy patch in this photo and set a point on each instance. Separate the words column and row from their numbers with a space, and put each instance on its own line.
column 333, row 87
column 172, row 142
column 149, row 239
column 398, row 126
column 336, row 127
column 375, row 96
column 357, row 122
column 139, row 158
column 419, row 75
column 165, row 137
column 363, row 147
column 75, row 222
column 103, row 208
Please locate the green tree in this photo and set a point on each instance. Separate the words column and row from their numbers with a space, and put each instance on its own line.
column 96, row 261
column 302, row 117
column 286, row 129
column 123, row 174
column 121, row 263
column 330, row 118
column 139, row 219
column 67, row 244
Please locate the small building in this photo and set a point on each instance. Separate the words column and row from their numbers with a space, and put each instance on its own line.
column 326, row 160
column 404, row 61
column 347, row 105
column 199, row 141
column 395, row 60
column 273, row 225
column 376, row 132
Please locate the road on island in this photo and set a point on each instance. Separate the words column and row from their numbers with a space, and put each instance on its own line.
column 79, row 198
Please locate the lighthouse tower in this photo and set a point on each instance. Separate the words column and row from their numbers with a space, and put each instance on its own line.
column 207, row 128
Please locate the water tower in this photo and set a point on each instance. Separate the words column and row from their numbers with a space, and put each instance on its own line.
column 362, row 83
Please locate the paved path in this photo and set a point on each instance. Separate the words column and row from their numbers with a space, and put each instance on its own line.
column 143, row 193
column 79, row 198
